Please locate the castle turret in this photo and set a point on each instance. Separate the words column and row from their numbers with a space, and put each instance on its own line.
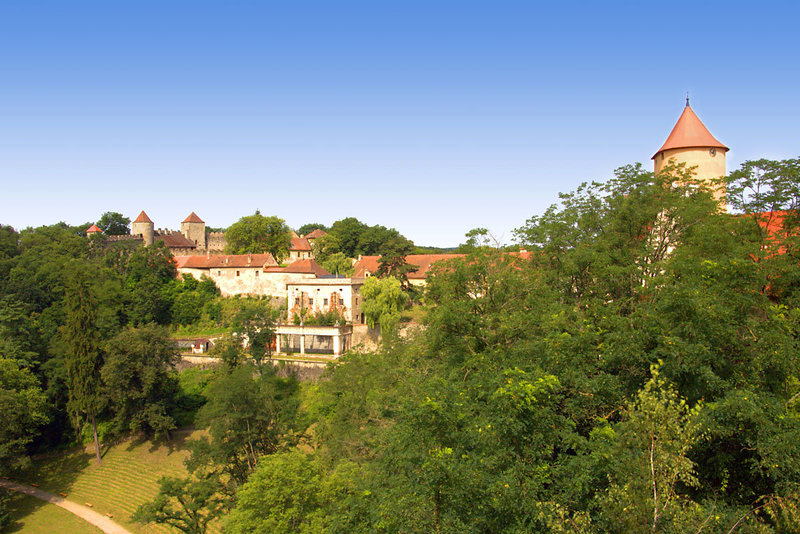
column 691, row 143
column 144, row 227
column 93, row 230
column 194, row 229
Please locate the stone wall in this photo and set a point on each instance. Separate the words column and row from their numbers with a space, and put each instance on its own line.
column 366, row 337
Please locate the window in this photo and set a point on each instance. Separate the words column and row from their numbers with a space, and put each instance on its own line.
column 324, row 302
column 256, row 274
column 310, row 302
column 219, row 273
column 297, row 301
column 237, row 273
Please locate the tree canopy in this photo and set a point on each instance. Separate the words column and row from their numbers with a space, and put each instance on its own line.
column 113, row 223
column 258, row 234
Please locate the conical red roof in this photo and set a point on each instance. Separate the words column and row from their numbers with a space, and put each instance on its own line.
column 143, row 218
column 193, row 218
column 690, row 132
column 93, row 229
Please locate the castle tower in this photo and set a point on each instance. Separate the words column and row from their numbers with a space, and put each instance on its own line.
column 691, row 143
column 144, row 227
column 93, row 230
column 194, row 229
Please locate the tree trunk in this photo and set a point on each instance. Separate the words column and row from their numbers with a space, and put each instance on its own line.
column 96, row 441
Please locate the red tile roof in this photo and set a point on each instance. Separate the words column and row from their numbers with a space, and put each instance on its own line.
column 316, row 234
column 143, row 218
column 306, row 266
column 300, row 244
column 174, row 240
column 217, row 261
column 690, row 132
column 193, row 218
column 367, row 265
column 93, row 229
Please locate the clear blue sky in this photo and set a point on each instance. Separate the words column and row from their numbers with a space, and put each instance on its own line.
column 432, row 117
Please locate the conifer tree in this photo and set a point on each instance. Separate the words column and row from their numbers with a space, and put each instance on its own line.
column 83, row 358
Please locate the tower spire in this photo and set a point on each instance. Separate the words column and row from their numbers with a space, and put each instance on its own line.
column 687, row 99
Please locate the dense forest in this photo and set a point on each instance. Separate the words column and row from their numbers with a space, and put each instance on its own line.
column 638, row 370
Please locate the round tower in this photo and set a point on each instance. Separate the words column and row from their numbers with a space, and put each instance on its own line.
column 691, row 143
column 144, row 227
column 193, row 228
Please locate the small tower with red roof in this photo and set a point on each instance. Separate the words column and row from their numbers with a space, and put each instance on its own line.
column 691, row 143
column 144, row 227
column 193, row 228
column 93, row 230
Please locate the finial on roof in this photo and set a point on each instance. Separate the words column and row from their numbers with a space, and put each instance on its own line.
column 687, row 99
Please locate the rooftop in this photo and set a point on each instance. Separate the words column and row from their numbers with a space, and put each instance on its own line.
column 690, row 132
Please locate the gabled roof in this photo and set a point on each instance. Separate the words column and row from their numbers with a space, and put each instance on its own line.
column 316, row 234
column 216, row 261
column 174, row 240
column 93, row 229
column 300, row 243
column 306, row 266
column 367, row 265
column 143, row 218
column 193, row 218
column 690, row 132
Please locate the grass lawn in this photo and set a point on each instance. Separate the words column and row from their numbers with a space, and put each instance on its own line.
column 127, row 478
column 188, row 332
column 29, row 515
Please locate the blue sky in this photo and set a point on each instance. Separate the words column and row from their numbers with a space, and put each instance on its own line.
column 431, row 117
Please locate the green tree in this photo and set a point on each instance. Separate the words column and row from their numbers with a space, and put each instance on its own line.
column 24, row 408
column 257, row 234
column 291, row 493
column 83, row 358
column 253, row 326
column 140, row 379
column 393, row 262
column 187, row 504
column 338, row 263
column 647, row 456
column 247, row 417
column 384, row 302
column 113, row 223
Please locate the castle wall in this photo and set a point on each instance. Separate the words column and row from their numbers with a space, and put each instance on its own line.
column 215, row 241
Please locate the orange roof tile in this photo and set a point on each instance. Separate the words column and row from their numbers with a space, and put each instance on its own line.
column 300, row 243
column 306, row 266
column 143, row 218
column 93, row 229
column 690, row 132
column 217, row 261
column 174, row 239
column 369, row 264
column 193, row 218
column 316, row 234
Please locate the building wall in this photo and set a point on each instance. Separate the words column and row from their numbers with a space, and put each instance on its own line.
column 299, row 255
column 326, row 295
column 247, row 282
column 708, row 166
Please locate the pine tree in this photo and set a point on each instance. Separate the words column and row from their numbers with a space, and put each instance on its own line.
column 83, row 356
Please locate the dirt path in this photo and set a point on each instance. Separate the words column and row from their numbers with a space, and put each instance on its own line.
column 100, row 521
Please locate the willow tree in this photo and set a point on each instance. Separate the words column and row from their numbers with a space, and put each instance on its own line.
column 83, row 358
